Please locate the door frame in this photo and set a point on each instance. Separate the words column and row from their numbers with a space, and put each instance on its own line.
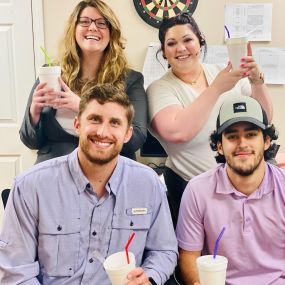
column 37, row 13
column 38, row 33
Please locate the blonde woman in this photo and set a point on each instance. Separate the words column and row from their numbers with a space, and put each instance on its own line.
column 91, row 52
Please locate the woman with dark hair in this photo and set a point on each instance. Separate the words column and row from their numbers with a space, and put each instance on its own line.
column 91, row 53
column 184, row 103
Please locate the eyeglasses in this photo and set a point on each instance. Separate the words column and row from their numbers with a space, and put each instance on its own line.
column 99, row 23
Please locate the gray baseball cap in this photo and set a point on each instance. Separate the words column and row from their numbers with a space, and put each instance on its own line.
column 241, row 109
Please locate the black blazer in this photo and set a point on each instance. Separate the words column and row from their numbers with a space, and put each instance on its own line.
column 51, row 140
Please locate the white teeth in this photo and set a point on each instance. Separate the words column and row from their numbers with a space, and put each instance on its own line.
column 92, row 38
column 182, row 56
column 103, row 144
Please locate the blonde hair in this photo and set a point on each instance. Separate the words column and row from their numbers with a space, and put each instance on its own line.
column 114, row 65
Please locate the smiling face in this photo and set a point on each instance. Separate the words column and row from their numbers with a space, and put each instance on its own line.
column 102, row 130
column 181, row 47
column 92, row 39
column 243, row 146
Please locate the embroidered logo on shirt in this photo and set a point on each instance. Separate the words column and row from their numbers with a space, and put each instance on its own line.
column 139, row 211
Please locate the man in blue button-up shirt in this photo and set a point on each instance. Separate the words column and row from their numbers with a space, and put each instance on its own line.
column 65, row 215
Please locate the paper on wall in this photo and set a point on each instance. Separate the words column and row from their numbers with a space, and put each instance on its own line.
column 271, row 61
column 154, row 65
column 249, row 20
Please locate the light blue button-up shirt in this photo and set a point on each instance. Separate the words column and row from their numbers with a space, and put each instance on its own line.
column 55, row 229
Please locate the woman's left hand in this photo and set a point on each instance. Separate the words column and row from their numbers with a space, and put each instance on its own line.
column 66, row 99
column 248, row 62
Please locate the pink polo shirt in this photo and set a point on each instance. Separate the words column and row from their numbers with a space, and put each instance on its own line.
column 254, row 239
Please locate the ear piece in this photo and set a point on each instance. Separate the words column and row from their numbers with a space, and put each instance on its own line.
column 198, row 52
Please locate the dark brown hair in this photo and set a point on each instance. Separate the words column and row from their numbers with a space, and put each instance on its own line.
column 270, row 153
column 182, row 19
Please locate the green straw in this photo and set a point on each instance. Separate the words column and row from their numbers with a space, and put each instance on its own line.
column 48, row 59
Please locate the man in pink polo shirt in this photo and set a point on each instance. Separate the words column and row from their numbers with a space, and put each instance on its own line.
column 245, row 194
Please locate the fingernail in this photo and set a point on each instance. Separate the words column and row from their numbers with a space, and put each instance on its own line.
column 242, row 65
column 243, row 59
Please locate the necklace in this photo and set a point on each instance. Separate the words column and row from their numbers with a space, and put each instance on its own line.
column 196, row 79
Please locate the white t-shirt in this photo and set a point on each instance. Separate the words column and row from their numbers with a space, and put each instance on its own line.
column 195, row 156
column 65, row 118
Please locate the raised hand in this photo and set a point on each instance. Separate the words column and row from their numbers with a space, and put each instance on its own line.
column 252, row 70
column 66, row 98
column 228, row 78
column 42, row 97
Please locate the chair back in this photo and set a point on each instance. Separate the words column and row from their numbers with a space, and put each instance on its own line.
column 4, row 196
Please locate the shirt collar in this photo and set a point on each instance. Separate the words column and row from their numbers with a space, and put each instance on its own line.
column 224, row 185
column 117, row 175
column 78, row 176
column 81, row 181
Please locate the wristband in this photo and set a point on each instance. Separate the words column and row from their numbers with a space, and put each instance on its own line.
column 258, row 81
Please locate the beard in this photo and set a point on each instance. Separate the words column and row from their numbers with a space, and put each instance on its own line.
column 99, row 157
column 244, row 169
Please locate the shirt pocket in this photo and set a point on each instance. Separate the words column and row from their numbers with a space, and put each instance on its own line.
column 123, row 225
column 58, row 248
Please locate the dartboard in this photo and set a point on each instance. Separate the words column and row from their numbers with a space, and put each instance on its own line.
column 153, row 11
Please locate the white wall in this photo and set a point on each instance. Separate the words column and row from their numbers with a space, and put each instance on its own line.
column 210, row 17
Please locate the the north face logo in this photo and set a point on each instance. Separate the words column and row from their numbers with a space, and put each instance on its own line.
column 239, row 107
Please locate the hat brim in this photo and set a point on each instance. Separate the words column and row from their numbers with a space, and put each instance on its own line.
column 238, row 120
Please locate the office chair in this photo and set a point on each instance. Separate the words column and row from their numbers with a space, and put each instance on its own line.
column 175, row 278
column 5, row 195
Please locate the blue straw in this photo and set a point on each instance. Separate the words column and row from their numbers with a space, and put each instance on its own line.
column 217, row 242
column 228, row 32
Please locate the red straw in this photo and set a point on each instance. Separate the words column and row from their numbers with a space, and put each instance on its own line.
column 127, row 247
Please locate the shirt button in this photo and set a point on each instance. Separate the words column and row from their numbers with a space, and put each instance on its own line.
column 91, row 260
column 94, row 233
